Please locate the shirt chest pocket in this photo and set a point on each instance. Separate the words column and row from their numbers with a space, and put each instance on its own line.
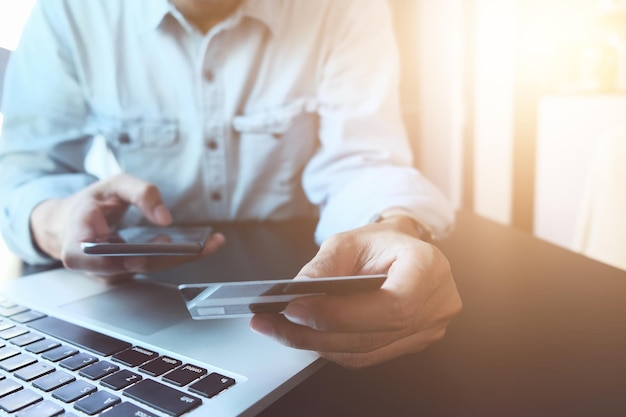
column 140, row 134
column 140, row 143
column 274, row 145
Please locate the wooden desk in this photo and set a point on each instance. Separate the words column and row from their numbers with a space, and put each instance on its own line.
column 542, row 333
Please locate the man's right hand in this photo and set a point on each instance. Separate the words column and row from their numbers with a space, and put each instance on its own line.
column 58, row 226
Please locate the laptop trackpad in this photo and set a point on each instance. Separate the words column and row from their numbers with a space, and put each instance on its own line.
column 137, row 307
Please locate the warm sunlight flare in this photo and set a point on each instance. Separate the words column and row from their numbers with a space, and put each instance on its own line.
column 569, row 46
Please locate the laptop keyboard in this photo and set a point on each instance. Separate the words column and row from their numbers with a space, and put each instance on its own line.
column 50, row 367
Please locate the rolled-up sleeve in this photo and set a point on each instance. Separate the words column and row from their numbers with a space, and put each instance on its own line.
column 43, row 140
column 364, row 165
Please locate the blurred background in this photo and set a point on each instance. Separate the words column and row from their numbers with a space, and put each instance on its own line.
column 516, row 109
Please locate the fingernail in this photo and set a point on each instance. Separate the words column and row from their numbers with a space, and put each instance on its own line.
column 297, row 313
column 262, row 326
column 162, row 214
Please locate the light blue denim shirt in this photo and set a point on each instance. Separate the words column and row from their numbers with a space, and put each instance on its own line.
column 287, row 108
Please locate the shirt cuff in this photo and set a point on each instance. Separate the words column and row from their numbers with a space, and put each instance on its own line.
column 16, row 225
column 424, row 232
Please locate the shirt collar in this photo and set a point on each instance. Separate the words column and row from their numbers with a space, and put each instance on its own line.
column 152, row 13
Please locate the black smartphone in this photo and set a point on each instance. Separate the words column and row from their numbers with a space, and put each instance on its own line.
column 150, row 241
column 241, row 298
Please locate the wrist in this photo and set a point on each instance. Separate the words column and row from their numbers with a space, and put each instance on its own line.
column 44, row 228
column 402, row 221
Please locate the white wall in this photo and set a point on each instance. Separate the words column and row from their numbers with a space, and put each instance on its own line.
column 493, row 117
column 440, row 35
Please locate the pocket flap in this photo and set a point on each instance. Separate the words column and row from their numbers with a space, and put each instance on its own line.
column 275, row 121
column 139, row 133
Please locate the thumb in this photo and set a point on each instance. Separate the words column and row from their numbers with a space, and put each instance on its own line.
column 333, row 259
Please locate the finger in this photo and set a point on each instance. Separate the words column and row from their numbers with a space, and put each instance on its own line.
column 394, row 307
column 356, row 253
column 109, row 266
column 89, row 223
column 329, row 260
column 411, row 344
column 142, row 194
column 302, row 337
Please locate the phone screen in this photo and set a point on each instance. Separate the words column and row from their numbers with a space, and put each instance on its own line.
column 150, row 241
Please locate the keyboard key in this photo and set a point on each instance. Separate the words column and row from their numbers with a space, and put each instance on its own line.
column 184, row 375
column 7, row 352
column 59, row 353
column 11, row 311
column 18, row 400
column 85, row 338
column 78, row 361
column 211, row 385
column 126, row 410
column 44, row 408
column 160, row 365
column 97, row 402
column 135, row 356
column 72, row 392
column 166, row 399
column 27, row 316
column 98, row 370
column 42, row 346
column 16, row 362
column 53, row 381
column 8, row 386
column 13, row 332
column 26, row 339
column 121, row 379
column 34, row 371
column 5, row 324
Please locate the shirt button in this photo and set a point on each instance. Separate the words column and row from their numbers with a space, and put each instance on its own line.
column 212, row 145
column 123, row 138
column 208, row 75
column 216, row 196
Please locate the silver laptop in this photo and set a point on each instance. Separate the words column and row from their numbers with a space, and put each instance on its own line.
column 74, row 344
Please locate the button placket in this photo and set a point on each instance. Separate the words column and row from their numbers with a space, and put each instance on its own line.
column 212, row 99
column 215, row 158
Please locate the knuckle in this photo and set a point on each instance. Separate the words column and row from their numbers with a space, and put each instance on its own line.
column 339, row 240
